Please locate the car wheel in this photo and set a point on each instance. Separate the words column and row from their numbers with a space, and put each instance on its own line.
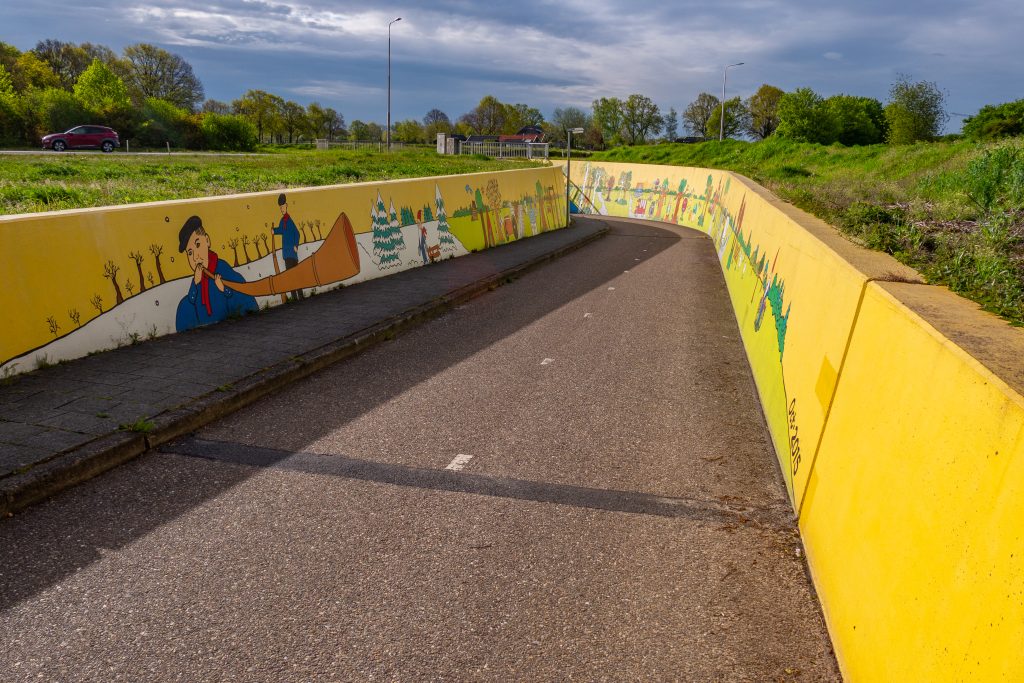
column 107, row 146
column 59, row 146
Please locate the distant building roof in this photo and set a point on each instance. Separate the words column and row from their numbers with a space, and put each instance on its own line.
column 482, row 138
column 531, row 130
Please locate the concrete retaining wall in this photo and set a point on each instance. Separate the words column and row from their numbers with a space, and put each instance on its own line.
column 87, row 280
column 896, row 412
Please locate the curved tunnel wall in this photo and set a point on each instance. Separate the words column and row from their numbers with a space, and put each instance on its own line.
column 896, row 413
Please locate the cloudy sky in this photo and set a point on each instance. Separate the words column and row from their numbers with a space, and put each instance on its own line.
column 450, row 53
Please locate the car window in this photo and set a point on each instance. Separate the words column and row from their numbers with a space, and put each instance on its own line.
column 77, row 131
column 96, row 130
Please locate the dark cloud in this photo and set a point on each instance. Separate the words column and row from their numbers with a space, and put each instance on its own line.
column 450, row 53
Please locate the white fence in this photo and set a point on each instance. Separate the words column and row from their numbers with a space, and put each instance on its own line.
column 507, row 150
column 379, row 146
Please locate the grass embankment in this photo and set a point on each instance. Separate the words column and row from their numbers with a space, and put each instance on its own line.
column 52, row 181
column 952, row 210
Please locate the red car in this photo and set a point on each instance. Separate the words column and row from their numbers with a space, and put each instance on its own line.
column 83, row 137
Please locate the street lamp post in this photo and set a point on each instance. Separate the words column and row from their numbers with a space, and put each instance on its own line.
column 568, row 160
column 389, row 83
column 721, row 122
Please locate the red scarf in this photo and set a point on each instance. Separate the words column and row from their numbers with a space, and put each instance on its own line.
column 204, row 286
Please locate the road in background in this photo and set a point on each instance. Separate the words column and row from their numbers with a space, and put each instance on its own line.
column 568, row 478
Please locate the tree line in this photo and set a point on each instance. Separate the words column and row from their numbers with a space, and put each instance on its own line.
column 152, row 97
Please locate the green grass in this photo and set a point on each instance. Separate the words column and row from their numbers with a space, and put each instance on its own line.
column 952, row 210
column 48, row 182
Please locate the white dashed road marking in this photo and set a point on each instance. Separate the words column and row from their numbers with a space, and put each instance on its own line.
column 460, row 461
column 547, row 361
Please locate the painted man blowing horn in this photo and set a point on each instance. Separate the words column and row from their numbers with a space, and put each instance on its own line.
column 208, row 300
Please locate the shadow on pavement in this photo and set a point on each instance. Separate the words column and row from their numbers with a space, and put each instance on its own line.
column 48, row 542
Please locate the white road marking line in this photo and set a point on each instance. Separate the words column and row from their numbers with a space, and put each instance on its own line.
column 610, row 288
column 587, row 315
column 460, row 461
column 625, row 271
column 547, row 361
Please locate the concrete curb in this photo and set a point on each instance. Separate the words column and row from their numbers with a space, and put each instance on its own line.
column 106, row 452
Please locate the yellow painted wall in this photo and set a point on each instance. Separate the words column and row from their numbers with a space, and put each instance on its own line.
column 53, row 263
column 914, row 516
column 758, row 247
column 911, row 506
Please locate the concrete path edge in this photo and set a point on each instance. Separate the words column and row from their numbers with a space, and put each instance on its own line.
column 80, row 464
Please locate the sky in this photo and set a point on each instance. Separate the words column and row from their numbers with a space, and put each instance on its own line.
column 449, row 54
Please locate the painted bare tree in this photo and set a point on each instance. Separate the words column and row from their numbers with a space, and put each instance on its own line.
column 319, row 229
column 493, row 193
column 110, row 271
column 245, row 247
column 138, row 258
column 233, row 243
column 266, row 242
column 149, row 278
column 75, row 316
column 302, row 228
column 54, row 327
column 97, row 302
column 156, row 250
column 130, row 288
column 256, row 243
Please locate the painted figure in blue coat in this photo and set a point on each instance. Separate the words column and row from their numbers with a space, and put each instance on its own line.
column 289, row 239
column 208, row 300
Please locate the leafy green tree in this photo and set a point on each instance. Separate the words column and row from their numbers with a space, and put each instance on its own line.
column 212, row 106
column 374, row 132
column 641, row 119
column 564, row 119
column 518, row 116
column 29, row 72
column 10, row 123
column 409, row 131
column 261, row 108
column 995, row 121
column 856, row 119
column 436, row 121
column 228, row 132
column 487, row 118
column 67, row 60
column 736, row 120
column 293, row 119
column 804, row 117
column 8, row 56
column 671, row 124
column 358, row 131
column 699, row 112
column 324, row 122
column 763, row 107
column 163, row 122
column 608, row 119
column 100, row 89
column 49, row 111
column 155, row 72
column 916, row 111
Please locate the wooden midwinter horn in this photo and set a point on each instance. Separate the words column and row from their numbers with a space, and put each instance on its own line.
column 337, row 259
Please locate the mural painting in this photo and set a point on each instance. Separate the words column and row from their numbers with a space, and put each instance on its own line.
column 100, row 278
column 760, row 255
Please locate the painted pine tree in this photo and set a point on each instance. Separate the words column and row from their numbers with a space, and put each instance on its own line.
column 444, row 234
column 384, row 248
column 397, row 238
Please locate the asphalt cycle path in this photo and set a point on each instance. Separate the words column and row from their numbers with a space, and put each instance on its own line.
column 566, row 478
